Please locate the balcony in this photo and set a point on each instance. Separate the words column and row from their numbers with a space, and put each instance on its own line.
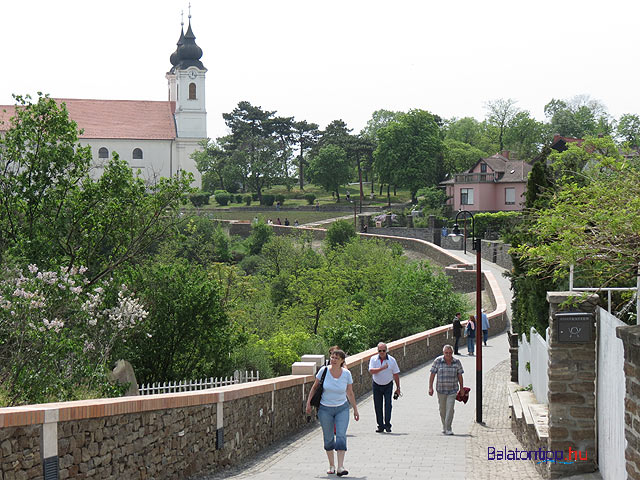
column 475, row 178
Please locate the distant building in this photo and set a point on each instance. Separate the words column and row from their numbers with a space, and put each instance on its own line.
column 493, row 184
column 155, row 137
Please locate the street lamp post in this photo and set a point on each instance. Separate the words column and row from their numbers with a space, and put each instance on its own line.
column 477, row 246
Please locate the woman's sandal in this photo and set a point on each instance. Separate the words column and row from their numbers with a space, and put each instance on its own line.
column 343, row 472
column 331, row 470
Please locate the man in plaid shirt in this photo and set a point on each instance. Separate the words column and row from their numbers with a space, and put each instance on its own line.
column 449, row 371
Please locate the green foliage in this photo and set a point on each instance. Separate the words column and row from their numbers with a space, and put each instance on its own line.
column 238, row 198
column 53, row 213
column 310, row 198
column 410, row 152
column 498, row 222
column 261, row 233
column 431, row 200
column 187, row 333
column 414, row 299
column 267, row 200
column 330, row 168
column 247, row 199
column 339, row 233
column 199, row 199
column 57, row 333
column 223, row 198
column 460, row 157
column 351, row 337
column 280, row 198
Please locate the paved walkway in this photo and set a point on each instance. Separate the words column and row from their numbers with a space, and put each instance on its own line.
column 417, row 448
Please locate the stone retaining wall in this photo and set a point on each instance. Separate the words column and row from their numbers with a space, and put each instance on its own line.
column 630, row 337
column 180, row 434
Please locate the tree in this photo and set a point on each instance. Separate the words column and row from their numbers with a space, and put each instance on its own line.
column 53, row 213
column 460, row 157
column 340, row 233
column 410, row 152
column 379, row 119
column 216, row 164
column 500, row 113
column 187, row 333
column 330, row 168
column 306, row 135
column 525, row 135
column 629, row 129
column 578, row 117
column 592, row 224
column 255, row 144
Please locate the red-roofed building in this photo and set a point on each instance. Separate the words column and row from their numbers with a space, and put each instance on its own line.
column 493, row 184
column 155, row 137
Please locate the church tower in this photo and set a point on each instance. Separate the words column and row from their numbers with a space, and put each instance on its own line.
column 187, row 86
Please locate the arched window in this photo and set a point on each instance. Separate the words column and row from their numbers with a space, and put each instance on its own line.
column 103, row 152
column 192, row 91
column 137, row 154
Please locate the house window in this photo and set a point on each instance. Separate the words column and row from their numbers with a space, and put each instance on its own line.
column 192, row 91
column 510, row 196
column 483, row 167
column 103, row 153
column 137, row 154
column 466, row 196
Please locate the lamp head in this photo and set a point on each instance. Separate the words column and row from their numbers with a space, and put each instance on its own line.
column 456, row 229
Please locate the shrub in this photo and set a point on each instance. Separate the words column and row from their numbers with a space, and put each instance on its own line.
column 280, row 198
column 260, row 234
column 199, row 199
column 340, row 233
column 247, row 199
column 58, row 331
column 239, row 198
column 255, row 197
column 310, row 198
column 267, row 200
column 183, row 300
column 498, row 222
column 223, row 198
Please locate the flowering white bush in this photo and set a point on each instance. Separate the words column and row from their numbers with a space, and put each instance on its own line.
column 57, row 331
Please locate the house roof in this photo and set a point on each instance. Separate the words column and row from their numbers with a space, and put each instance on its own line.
column 115, row 119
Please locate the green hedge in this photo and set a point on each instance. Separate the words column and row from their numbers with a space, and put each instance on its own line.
column 223, row 198
column 199, row 199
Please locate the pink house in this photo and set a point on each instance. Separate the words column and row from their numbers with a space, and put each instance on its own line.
column 493, row 184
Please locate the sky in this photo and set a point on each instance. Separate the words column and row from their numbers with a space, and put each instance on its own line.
column 325, row 60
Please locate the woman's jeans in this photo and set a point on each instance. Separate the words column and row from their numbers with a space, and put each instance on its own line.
column 338, row 416
column 471, row 340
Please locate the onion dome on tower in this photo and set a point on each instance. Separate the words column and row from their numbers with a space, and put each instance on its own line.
column 174, row 56
column 188, row 53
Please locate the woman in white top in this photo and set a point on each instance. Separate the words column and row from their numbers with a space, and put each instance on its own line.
column 337, row 393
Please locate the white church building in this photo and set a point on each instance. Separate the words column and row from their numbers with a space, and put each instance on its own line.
column 155, row 137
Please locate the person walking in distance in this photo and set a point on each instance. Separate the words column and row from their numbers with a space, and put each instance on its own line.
column 449, row 371
column 470, row 333
column 457, row 332
column 485, row 327
column 384, row 371
column 337, row 393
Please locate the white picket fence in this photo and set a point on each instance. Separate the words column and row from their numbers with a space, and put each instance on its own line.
column 535, row 354
column 202, row 384
column 610, row 398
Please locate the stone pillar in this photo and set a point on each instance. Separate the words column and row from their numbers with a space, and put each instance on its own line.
column 630, row 337
column 513, row 352
column 572, row 391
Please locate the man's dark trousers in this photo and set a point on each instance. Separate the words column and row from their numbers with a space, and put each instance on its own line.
column 381, row 392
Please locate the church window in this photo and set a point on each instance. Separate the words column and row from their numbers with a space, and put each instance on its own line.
column 192, row 91
column 137, row 154
column 103, row 153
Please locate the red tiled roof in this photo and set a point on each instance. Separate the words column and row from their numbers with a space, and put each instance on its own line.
column 135, row 119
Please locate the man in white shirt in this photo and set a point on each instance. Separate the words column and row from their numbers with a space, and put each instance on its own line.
column 384, row 370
